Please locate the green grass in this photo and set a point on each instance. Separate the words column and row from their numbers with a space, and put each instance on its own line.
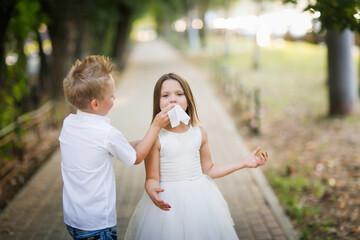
column 291, row 191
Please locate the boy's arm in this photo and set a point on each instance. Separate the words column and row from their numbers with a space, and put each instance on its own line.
column 143, row 147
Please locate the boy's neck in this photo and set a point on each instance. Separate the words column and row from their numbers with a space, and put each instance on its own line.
column 91, row 111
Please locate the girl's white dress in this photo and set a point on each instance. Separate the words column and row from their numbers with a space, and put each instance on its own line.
column 198, row 210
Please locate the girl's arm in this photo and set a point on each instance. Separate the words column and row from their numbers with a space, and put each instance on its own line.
column 152, row 183
column 220, row 170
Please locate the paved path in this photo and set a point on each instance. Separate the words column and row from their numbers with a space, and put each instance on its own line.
column 36, row 213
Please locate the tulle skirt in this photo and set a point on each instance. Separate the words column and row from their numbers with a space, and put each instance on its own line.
column 198, row 212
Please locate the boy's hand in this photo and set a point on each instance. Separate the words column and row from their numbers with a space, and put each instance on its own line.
column 154, row 195
column 253, row 161
column 162, row 118
column 134, row 143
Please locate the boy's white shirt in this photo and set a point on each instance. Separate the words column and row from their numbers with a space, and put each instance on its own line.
column 87, row 144
column 177, row 115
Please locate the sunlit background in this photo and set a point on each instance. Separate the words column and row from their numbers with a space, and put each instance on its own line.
column 271, row 20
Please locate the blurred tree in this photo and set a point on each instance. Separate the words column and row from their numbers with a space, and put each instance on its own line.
column 20, row 18
column 193, row 33
column 101, row 22
column 203, row 6
column 6, row 9
column 339, row 19
column 257, row 49
column 61, row 29
column 79, row 28
column 226, row 6
column 167, row 11
column 225, row 30
column 191, row 9
column 44, row 84
column 126, row 9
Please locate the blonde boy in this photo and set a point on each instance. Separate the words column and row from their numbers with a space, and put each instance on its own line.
column 87, row 143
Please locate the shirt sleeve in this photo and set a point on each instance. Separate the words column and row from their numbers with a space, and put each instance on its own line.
column 119, row 147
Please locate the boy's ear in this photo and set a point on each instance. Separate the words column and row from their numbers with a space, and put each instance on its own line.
column 94, row 104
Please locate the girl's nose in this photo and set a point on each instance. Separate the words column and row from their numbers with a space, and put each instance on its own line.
column 173, row 99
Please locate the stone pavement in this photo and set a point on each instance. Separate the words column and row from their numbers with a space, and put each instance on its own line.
column 36, row 212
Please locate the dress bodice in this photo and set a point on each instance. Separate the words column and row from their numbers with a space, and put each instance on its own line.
column 180, row 155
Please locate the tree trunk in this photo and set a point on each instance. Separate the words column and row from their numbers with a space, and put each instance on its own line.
column 342, row 80
column 122, row 32
column 80, row 51
column 193, row 34
column 257, row 55
column 204, row 4
column 226, row 50
column 61, row 31
column 257, row 48
column 6, row 11
column 81, row 31
column 62, row 57
column 44, row 80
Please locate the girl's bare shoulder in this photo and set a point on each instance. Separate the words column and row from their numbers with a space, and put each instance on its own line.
column 203, row 133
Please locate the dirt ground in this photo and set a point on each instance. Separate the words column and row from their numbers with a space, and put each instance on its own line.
column 325, row 153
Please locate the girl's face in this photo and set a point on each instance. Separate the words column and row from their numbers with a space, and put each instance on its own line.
column 172, row 92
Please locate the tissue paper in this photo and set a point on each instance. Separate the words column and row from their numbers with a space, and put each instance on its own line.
column 177, row 115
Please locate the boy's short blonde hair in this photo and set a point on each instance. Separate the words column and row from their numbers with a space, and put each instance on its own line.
column 87, row 80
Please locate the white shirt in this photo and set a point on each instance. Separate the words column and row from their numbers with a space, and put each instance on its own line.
column 87, row 144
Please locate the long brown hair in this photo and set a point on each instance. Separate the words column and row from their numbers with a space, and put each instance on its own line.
column 191, row 110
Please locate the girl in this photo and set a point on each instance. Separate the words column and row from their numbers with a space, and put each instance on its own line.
column 182, row 201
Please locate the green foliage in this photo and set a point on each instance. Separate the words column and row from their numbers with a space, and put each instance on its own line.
column 291, row 191
column 166, row 11
column 97, row 15
column 221, row 4
column 100, row 19
column 25, row 18
column 290, row 1
column 335, row 14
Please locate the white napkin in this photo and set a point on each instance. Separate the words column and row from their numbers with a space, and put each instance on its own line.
column 177, row 115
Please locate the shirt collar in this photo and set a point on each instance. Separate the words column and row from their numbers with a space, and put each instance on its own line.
column 92, row 116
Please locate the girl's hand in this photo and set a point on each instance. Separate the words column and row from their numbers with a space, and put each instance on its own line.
column 154, row 195
column 162, row 118
column 253, row 161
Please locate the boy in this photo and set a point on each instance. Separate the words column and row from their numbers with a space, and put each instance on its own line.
column 87, row 144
